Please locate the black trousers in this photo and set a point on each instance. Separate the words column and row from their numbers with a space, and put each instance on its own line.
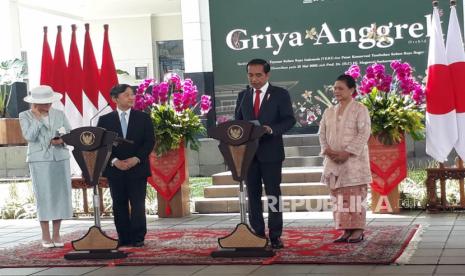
column 270, row 173
column 131, row 225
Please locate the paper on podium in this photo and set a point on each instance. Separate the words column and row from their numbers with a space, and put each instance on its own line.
column 255, row 122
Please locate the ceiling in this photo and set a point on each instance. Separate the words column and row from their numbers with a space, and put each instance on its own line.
column 96, row 9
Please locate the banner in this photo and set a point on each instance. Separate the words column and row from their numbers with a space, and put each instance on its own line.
column 311, row 42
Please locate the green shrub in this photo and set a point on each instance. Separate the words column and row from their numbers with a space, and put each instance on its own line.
column 17, row 207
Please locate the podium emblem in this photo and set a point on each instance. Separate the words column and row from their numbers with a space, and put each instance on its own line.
column 87, row 138
column 235, row 132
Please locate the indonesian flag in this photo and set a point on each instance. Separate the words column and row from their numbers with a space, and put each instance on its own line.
column 108, row 77
column 441, row 124
column 46, row 67
column 73, row 103
column 456, row 60
column 59, row 71
column 90, row 81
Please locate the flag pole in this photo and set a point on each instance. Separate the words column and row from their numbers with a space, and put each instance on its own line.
column 458, row 160
column 441, row 164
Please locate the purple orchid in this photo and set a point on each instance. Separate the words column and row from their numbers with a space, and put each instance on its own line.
column 205, row 104
column 353, row 71
column 178, row 102
column 184, row 95
column 401, row 81
column 175, row 80
column 163, row 89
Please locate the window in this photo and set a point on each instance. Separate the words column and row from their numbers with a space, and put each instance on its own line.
column 170, row 58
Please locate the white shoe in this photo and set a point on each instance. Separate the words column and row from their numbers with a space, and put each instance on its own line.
column 59, row 244
column 48, row 244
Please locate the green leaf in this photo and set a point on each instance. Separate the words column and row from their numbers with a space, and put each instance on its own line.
column 171, row 128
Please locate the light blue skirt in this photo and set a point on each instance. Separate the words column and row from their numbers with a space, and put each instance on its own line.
column 51, row 181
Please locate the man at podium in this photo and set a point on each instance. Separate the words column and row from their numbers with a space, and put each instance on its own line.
column 271, row 107
column 129, row 165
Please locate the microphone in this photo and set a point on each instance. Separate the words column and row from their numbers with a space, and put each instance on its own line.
column 238, row 110
column 98, row 113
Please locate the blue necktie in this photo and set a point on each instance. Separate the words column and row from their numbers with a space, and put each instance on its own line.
column 124, row 124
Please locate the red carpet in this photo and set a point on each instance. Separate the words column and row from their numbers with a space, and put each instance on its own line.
column 304, row 245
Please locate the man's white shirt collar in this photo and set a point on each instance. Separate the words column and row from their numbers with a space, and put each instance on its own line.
column 128, row 112
column 263, row 88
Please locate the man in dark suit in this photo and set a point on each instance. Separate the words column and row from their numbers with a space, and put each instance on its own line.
column 129, row 165
column 272, row 107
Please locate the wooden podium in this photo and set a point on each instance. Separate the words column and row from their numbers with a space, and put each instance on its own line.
column 92, row 149
column 238, row 144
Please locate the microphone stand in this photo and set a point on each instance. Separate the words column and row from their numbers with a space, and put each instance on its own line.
column 98, row 113
column 96, row 197
column 238, row 110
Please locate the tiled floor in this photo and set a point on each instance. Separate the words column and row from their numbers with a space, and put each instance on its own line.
column 437, row 249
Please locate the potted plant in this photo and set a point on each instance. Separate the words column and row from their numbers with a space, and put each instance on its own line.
column 396, row 103
column 10, row 71
column 171, row 105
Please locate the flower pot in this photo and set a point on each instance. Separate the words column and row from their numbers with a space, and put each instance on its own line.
column 10, row 132
column 170, row 177
column 179, row 204
column 388, row 165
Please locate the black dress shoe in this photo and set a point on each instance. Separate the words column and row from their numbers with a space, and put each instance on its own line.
column 341, row 239
column 138, row 244
column 277, row 243
column 123, row 243
column 261, row 235
column 356, row 240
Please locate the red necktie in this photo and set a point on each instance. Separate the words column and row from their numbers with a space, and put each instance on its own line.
column 256, row 103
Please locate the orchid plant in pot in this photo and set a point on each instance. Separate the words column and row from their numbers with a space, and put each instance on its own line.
column 396, row 101
column 396, row 104
column 172, row 105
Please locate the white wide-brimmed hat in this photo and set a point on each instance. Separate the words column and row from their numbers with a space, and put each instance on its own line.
column 43, row 94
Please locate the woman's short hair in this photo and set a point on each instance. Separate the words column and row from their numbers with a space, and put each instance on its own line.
column 349, row 80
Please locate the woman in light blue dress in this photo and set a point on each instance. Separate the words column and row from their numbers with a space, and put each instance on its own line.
column 48, row 159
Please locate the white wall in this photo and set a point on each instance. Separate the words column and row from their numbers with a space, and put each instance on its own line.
column 31, row 28
column 130, row 40
column 166, row 27
column 9, row 31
